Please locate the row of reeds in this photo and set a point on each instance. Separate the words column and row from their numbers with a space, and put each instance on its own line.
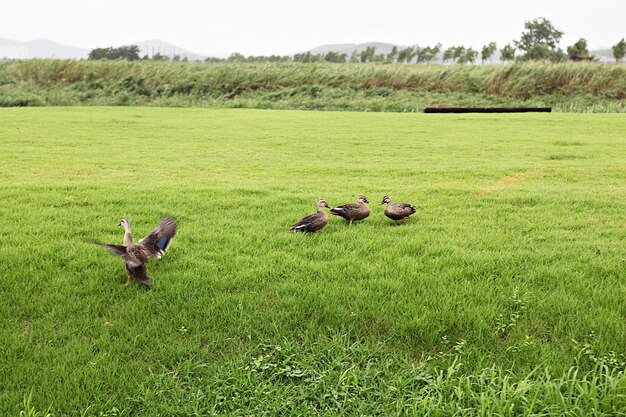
column 156, row 80
column 524, row 79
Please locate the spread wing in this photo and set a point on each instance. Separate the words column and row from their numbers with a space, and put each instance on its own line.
column 133, row 257
column 118, row 250
column 159, row 239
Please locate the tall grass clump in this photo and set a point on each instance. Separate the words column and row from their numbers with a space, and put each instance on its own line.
column 537, row 79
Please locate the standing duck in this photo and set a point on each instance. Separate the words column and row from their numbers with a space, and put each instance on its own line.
column 313, row 222
column 397, row 211
column 136, row 255
column 352, row 212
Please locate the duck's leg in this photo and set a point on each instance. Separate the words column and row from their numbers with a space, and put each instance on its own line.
column 128, row 280
column 350, row 224
column 403, row 220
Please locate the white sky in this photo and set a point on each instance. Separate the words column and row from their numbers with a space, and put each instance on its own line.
column 288, row 26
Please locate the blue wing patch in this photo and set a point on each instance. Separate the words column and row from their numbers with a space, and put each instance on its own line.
column 163, row 243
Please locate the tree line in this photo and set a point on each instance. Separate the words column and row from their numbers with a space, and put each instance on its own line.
column 539, row 41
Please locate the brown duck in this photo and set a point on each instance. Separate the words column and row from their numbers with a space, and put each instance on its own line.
column 352, row 212
column 136, row 255
column 397, row 211
column 313, row 222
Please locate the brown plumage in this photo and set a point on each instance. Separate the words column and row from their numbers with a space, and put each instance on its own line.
column 313, row 222
column 352, row 212
column 136, row 255
column 397, row 211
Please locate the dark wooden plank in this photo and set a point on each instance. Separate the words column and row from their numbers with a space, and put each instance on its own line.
column 487, row 109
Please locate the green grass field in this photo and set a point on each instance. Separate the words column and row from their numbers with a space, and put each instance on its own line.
column 504, row 295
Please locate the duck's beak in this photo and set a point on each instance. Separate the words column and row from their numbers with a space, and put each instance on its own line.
column 119, row 224
column 365, row 201
column 382, row 202
column 326, row 205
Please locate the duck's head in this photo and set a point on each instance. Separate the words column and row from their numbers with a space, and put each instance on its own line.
column 124, row 223
column 362, row 199
column 386, row 200
column 322, row 203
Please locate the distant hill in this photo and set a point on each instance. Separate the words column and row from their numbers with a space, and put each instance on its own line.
column 45, row 48
column 39, row 48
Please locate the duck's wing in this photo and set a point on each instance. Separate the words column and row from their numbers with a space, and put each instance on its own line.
column 305, row 224
column 139, row 273
column 133, row 256
column 119, row 250
column 344, row 210
column 159, row 239
column 406, row 208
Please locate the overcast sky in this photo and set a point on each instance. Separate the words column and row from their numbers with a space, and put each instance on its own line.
column 288, row 26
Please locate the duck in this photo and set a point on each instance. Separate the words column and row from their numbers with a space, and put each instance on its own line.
column 137, row 255
column 313, row 222
column 397, row 211
column 352, row 212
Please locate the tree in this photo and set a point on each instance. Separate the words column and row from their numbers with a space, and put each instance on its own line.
column 236, row 57
column 405, row 55
column 447, row 54
column 539, row 52
column 578, row 50
column 487, row 51
column 619, row 50
column 332, row 56
column 431, row 52
column 507, row 53
column 427, row 53
column 130, row 53
column 159, row 57
column 368, row 54
column 308, row 57
column 468, row 55
column 454, row 53
column 379, row 58
column 393, row 55
column 458, row 52
column 98, row 53
column 540, row 40
column 355, row 58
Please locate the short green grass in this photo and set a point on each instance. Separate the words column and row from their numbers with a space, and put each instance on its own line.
column 503, row 295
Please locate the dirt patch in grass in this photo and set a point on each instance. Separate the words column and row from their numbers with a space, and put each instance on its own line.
column 517, row 177
column 510, row 179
